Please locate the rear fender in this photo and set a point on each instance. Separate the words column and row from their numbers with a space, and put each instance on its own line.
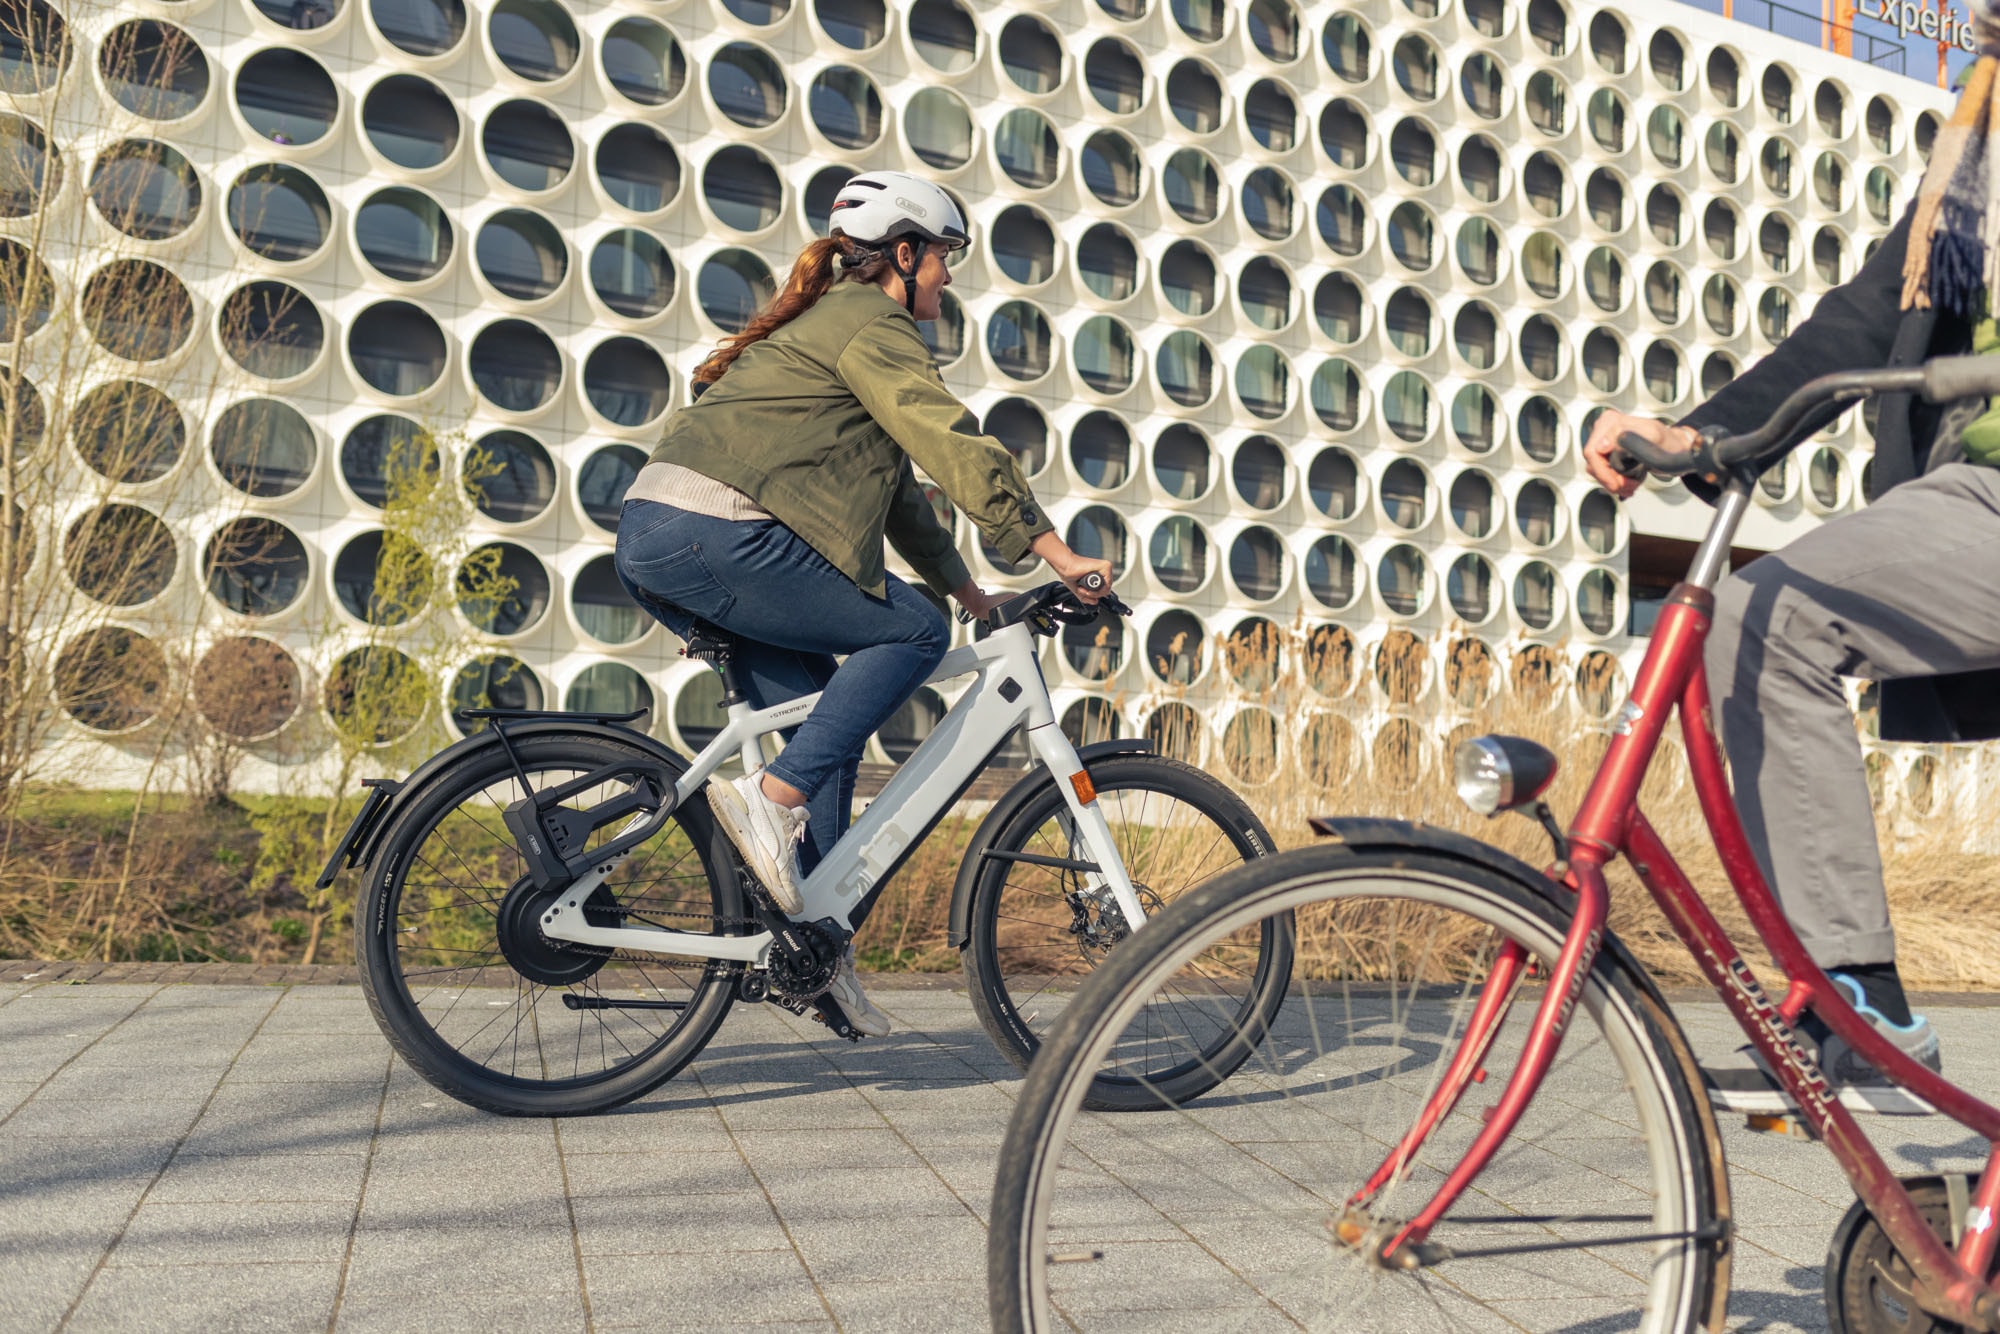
column 1004, row 810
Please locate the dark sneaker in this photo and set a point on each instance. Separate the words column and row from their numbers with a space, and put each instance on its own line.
column 1750, row 1087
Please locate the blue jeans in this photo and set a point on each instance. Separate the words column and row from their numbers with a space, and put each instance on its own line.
column 791, row 611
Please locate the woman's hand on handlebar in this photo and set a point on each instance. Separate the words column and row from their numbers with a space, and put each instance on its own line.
column 1072, row 569
column 1603, row 440
column 976, row 600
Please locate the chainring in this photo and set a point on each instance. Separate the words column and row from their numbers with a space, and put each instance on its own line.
column 1869, row 1286
column 796, row 984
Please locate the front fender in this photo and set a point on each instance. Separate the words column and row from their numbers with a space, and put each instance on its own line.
column 358, row 847
column 1004, row 810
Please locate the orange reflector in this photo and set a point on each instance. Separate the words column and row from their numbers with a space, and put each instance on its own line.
column 1086, row 791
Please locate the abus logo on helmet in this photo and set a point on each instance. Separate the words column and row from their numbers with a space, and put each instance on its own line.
column 912, row 206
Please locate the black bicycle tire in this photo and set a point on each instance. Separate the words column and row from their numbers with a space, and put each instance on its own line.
column 995, row 1006
column 1040, row 1111
column 440, row 1064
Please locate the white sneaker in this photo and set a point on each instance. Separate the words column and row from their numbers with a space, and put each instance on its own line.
column 846, row 989
column 766, row 833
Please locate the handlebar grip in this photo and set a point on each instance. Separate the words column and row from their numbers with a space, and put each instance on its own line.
column 1652, row 458
column 1091, row 583
column 1949, row 378
column 1626, row 465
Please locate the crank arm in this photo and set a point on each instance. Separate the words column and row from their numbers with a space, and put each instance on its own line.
column 572, row 1001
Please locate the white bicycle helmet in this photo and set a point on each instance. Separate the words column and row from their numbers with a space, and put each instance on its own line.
column 878, row 208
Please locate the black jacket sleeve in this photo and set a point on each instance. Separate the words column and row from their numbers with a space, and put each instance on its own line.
column 1852, row 328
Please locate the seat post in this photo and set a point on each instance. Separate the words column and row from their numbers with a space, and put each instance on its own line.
column 717, row 647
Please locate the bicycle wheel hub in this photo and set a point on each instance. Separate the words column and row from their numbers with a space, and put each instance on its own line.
column 554, row 963
column 1100, row 923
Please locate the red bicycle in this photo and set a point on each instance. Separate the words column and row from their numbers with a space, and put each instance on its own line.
column 1344, row 1179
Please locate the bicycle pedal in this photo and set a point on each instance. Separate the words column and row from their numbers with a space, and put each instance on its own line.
column 827, row 1011
column 1777, row 1123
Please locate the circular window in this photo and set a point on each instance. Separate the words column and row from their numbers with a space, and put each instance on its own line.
column 1333, row 483
column 747, row 85
column 1664, row 372
column 34, row 51
column 626, row 381
column 376, row 694
column 1024, row 246
column 1605, row 199
column 1332, row 572
column 1343, row 220
column 602, row 607
column 1412, row 236
column 1116, row 76
column 515, row 365
column 1111, row 167
column 1027, row 149
column 396, row 348
column 247, row 688
column 521, row 254
column 286, row 96
column 1174, row 648
column 1194, row 95
column 535, row 39
column 493, row 682
column 120, row 555
column 1409, row 322
column 1666, row 135
column 1536, row 597
column 1478, row 250
column 732, row 287
column 1544, row 265
column 1338, row 308
column 1271, row 116
column 111, row 679
column 1483, row 86
column 1537, row 513
column 1545, row 185
column 1774, row 314
column 1481, row 169
column 279, row 212
column 1346, row 47
column 1187, row 276
column 152, row 69
column 1407, row 406
column 604, row 479
column 845, row 107
column 1475, row 418
column 135, row 308
column 944, row 35
column 1259, row 565
column 639, row 169
column 411, row 122
column 615, row 689
column 128, row 432
column 387, row 456
column 1597, row 523
column 1031, row 54
column 643, row 62
column 1264, row 382
column 821, row 190
column 528, row 146
column 1471, row 501
column 1718, row 370
column 1264, row 291
column 271, row 330
column 939, row 129
column 508, row 476
column 145, row 189
column 403, row 233
column 255, row 566
column 1186, row 369
column 631, row 273
column 1269, row 204
column 1405, row 491
column 1723, row 152
column 1259, row 472
column 1721, row 229
column 1020, row 426
column 1343, row 134
column 1402, row 580
column 1097, row 533
column 1105, row 355
column 1181, row 462
column 1541, row 348
column 1545, row 100
column 1604, row 360
column 1178, row 554
column 1475, row 335
column 1020, row 341
column 1100, row 451
column 1414, row 62
column 1193, row 187
column 1338, row 397
column 263, row 447
column 33, row 170
column 1604, row 280
column 420, row 27
column 1108, row 262
column 502, row 589
column 1540, row 426
column 1413, row 151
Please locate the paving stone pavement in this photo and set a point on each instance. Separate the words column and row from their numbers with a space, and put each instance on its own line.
column 182, row 1156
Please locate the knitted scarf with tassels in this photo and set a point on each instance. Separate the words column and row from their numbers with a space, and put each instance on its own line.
column 1955, row 231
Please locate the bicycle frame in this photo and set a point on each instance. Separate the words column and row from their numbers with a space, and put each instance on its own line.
column 1609, row 823
column 1008, row 690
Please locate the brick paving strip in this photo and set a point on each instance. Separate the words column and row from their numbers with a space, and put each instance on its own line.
column 232, row 1147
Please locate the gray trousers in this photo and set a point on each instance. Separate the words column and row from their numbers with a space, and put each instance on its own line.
column 1909, row 586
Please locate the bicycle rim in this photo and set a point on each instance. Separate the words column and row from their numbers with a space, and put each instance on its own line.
column 483, row 994
column 1047, row 933
column 1223, row 1213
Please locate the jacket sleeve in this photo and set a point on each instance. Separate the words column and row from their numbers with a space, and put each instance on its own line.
column 914, row 531
column 1852, row 328
column 888, row 369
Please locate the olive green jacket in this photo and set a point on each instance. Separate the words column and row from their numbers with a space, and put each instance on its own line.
column 820, row 423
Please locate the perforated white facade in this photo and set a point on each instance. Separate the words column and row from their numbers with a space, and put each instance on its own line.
column 1298, row 311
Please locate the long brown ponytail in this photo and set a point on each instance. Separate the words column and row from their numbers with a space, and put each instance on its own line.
column 813, row 274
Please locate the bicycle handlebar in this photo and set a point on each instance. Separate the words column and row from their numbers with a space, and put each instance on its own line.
column 1045, row 607
column 1939, row 380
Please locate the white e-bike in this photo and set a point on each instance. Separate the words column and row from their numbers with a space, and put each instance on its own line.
column 553, row 924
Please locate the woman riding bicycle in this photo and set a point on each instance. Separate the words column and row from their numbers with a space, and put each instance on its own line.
column 765, row 506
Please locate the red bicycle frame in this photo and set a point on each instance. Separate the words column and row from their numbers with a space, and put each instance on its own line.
column 1610, row 823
